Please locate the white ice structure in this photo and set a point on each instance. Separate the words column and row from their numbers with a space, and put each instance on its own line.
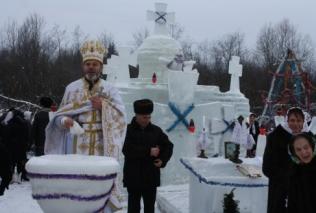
column 210, row 179
column 117, row 63
column 72, row 183
column 82, row 183
column 261, row 145
column 177, row 98
column 160, row 44
column 235, row 69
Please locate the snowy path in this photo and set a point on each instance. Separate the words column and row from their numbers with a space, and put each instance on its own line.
column 18, row 199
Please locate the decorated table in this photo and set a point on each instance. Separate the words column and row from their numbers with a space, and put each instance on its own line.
column 211, row 179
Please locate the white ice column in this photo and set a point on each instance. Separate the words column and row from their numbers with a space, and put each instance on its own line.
column 235, row 69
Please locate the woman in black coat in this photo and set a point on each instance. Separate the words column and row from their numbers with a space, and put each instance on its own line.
column 276, row 160
column 302, row 178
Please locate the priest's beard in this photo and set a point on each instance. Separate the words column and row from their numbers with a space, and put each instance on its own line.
column 92, row 77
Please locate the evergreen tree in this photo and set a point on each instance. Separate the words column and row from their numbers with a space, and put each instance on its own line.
column 229, row 204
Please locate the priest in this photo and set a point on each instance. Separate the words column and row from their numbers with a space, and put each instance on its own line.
column 91, row 116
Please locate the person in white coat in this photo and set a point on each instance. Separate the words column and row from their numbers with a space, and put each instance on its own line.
column 91, row 117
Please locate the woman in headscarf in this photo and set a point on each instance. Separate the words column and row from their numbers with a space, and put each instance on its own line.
column 276, row 159
column 302, row 184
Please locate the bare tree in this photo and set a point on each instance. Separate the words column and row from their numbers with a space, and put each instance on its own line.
column 176, row 30
column 266, row 43
column 9, row 35
column 189, row 49
column 31, row 51
column 231, row 44
column 78, row 37
column 216, row 54
column 139, row 36
column 36, row 61
column 24, row 45
column 274, row 40
column 55, row 41
column 107, row 40
column 204, row 50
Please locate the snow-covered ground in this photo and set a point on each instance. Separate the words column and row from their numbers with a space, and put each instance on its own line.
column 173, row 198
column 18, row 199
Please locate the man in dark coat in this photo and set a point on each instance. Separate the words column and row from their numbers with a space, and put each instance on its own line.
column 5, row 168
column 276, row 160
column 15, row 136
column 40, row 122
column 146, row 150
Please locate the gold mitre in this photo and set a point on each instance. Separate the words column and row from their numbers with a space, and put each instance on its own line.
column 93, row 50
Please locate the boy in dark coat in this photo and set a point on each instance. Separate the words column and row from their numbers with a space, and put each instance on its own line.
column 146, row 150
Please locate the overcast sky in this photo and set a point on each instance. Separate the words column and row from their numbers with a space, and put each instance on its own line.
column 202, row 19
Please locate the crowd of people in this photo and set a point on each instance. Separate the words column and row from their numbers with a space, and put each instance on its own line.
column 93, row 112
column 21, row 133
column 289, row 163
column 15, row 141
column 288, row 159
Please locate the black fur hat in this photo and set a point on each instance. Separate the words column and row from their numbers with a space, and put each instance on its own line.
column 143, row 107
column 46, row 102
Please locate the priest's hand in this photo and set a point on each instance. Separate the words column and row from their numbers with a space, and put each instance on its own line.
column 96, row 102
column 68, row 122
column 158, row 163
column 154, row 151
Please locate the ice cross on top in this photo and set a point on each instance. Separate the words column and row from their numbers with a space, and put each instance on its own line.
column 161, row 18
column 235, row 69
